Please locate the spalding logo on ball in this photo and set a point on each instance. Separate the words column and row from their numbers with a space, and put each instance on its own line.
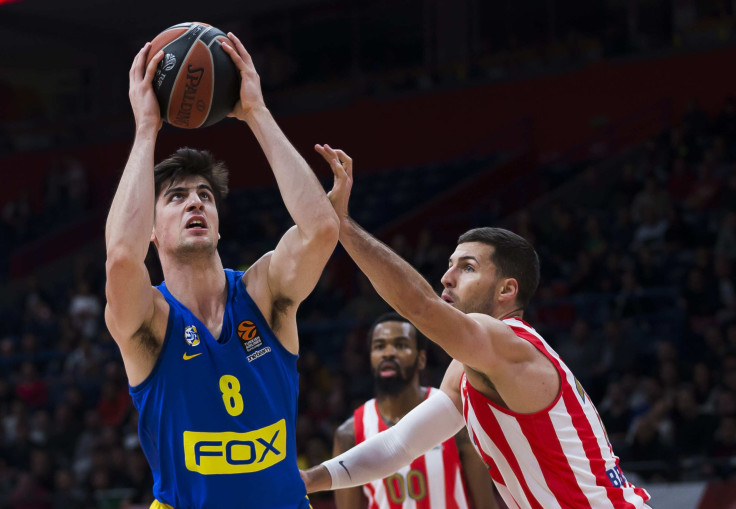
column 196, row 83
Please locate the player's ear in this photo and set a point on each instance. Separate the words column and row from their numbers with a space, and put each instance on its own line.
column 422, row 360
column 153, row 235
column 509, row 289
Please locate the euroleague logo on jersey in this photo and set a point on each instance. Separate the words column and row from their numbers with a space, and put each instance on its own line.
column 248, row 334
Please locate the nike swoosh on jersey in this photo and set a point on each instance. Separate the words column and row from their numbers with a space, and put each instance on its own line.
column 187, row 357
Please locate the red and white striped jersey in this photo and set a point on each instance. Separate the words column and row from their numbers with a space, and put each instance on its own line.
column 432, row 481
column 558, row 457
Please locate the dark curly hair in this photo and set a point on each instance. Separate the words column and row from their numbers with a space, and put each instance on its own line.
column 188, row 161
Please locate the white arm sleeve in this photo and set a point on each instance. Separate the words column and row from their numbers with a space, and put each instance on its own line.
column 427, row 425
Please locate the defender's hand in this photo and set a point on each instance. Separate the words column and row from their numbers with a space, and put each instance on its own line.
column 342, row 168
column 251, row 96
column 146, row 110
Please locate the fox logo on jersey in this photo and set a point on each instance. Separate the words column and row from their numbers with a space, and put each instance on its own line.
column 191, row 335
column 235, row 453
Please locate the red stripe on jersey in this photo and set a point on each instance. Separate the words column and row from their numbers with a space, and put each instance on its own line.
column 556, row 469
column 491, row 426
column 592, row 450
column 372, row 497
column 422, row 500
column 449, row 452
column 490, row 464
column 358, row 425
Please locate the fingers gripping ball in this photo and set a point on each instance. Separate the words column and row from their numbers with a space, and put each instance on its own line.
column 196, row 83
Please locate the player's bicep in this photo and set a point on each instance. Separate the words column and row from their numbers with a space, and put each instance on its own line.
column 472, row 339
column 297, row 263
column 130, row 297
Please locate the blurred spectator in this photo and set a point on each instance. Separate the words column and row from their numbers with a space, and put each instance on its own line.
column 723, row 447
column 29, row 493
column 616, row 415
column 652, row 199
column 31, row 389
column 580, row 351
column 693, row 428
column 66, row 491
column 726, row 240
column 650, row 438
column 85, row 310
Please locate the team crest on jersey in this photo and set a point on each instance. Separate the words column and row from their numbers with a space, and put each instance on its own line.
column 580, row 390
column 248, row 334
column 191, row 335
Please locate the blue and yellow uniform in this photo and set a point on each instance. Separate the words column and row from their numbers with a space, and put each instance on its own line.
column 217, row 418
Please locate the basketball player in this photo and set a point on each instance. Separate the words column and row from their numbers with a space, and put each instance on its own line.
column 211, row 353
column 530, row 420
column 436, row 480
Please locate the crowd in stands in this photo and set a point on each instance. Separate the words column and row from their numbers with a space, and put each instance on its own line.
column 638, row 295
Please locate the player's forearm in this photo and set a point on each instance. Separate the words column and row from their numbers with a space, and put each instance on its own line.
column 303, row 195
column 130, row 220
column 397, row 282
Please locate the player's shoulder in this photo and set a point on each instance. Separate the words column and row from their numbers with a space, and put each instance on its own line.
column 347, row 427
column 344, row 438
column 258, row 270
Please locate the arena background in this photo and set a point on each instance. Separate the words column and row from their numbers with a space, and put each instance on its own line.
column 604, row 132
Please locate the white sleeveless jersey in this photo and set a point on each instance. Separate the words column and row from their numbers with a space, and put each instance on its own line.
column 559, row 457
column 432, row 481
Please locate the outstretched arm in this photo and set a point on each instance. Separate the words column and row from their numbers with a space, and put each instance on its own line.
column 297, row 262
column 463, row 336
column 130, row 298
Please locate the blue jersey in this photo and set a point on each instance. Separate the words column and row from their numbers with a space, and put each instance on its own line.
column 217, row 418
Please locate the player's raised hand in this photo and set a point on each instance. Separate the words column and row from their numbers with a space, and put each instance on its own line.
column 342, row 169
column 142, row 97
column 251, row 95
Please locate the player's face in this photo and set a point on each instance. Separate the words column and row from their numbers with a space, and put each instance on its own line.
column 471, row 279
column 394, row 355
column 186, row 217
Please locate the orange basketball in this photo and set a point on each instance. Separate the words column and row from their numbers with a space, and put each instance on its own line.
column 246, row 330
column 196, row 83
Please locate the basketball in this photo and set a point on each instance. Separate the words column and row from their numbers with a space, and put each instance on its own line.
column 246, row 330
column 196, row 83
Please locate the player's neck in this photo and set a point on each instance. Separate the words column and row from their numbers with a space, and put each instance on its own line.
column 201, row 287
column 394, row 407
column 510, row 312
